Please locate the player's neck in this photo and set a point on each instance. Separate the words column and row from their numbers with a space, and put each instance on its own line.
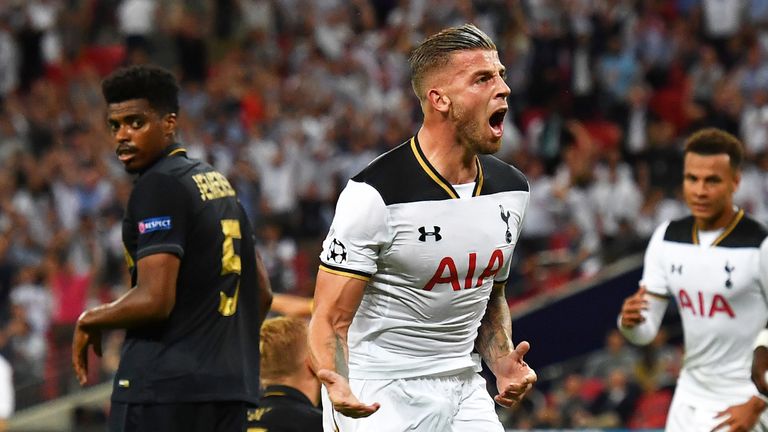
column 308, row 385
column 452, row 160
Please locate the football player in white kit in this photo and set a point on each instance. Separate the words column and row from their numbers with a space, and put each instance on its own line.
column 714, row 264
column 410, row 292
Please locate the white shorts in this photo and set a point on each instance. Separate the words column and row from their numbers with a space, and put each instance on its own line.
column 684, row 417
column 455, row 403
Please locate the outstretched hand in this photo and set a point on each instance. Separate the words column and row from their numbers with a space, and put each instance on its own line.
column 514, row 378
column 80, row 342
column 341, row 395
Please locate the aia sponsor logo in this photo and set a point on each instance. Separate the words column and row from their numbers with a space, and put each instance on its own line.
column 704, row 305
column 447, row 272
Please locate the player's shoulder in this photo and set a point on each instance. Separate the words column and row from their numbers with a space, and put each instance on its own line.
column 170, row 169
column 746, row 233
column 277, row 408
column 404, row 175
column 678, row 230
column 499, row 176
column 174, row 178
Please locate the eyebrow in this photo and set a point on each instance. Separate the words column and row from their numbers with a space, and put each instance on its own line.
column 705, row 177
column 127, row 117
column 490, row 72
column 502, row 71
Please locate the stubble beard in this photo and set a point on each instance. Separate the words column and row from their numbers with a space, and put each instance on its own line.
column 469, row 133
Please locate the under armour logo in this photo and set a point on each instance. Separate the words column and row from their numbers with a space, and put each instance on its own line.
column 677, row 269
column 505, row 218
column 425, row 233
column 728, row 269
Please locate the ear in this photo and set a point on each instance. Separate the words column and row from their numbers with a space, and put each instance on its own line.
column 308, row 364
column 438, row 100
column 169, row 124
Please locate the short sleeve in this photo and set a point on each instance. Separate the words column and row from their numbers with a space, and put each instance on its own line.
column 159, row 209
column 764, row 267
column 357, row 234
column 519, row 219
column 6, row 389
column 654, row 269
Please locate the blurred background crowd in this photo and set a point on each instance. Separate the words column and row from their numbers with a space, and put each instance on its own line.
column 290, row 98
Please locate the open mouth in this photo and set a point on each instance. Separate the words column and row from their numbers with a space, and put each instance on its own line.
column 497, row 121
column 125, row 153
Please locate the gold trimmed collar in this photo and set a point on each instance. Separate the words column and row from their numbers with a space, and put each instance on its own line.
column 174, row 149
column 728, row 229
column 440, row 180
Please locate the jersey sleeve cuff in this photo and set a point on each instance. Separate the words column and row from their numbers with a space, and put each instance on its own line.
column 161, row 248
column 354, row 274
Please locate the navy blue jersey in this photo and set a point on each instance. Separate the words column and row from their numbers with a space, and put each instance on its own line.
column 285, row 409
column 208, row 348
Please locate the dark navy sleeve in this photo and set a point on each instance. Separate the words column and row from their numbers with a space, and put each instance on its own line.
column 159, row 209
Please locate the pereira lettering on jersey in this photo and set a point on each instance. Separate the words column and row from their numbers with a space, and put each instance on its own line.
column 213, row 185
column 162, row 223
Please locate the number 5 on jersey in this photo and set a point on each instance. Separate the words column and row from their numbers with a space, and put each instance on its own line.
column 230, row 263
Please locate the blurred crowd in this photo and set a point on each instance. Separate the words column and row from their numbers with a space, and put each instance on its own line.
column 290, row 98
column 617, row 387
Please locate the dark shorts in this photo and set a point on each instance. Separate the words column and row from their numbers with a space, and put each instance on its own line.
column 179, row 417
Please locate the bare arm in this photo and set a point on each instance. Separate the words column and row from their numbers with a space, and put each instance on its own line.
column 760, row 362
column 264, row 287
column 151, row 300
column 336, row 301
column 494, row 343
column 292, row 305
column 494, row 338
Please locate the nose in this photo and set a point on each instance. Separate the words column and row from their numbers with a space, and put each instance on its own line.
column 122, row 134
column 699, row 188
column 504, row 90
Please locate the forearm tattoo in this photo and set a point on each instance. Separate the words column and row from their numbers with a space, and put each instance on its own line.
column 340, row 356
column 494, row 336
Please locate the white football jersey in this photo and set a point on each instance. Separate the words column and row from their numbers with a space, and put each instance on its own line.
column 430, row 259
column 720, row 291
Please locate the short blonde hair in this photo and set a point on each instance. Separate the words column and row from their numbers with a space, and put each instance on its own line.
column 283, row 347
column 435, row 52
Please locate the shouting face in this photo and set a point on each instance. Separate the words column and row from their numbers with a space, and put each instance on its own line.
column 477, row 98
